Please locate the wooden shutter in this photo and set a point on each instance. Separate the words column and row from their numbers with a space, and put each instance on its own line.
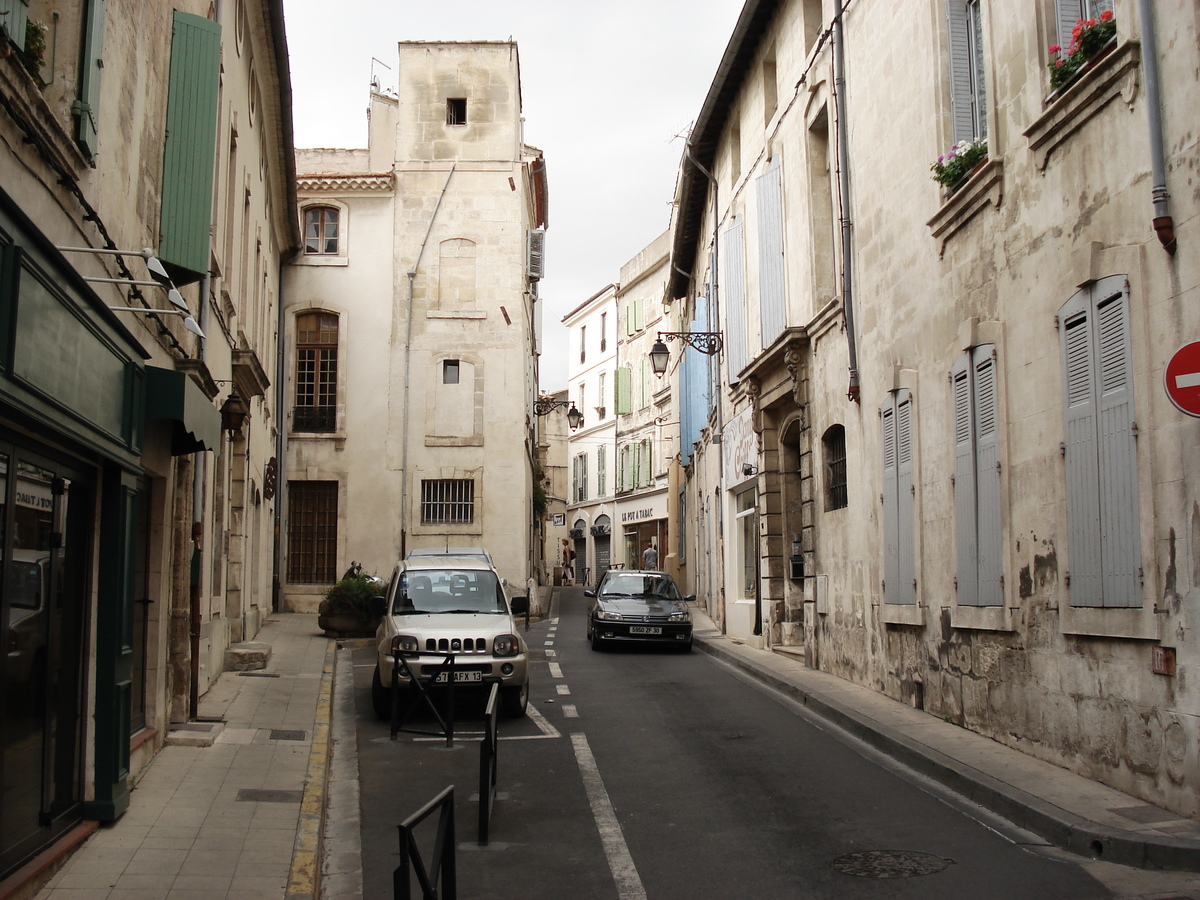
column 891, row 546
column 190, row 150
column 733, row 297
column 961, row 99
column 965, row 501
column 906, row 571
column 772, row 286
column 1066, row 14
column 645, row 381
column 601, row 471
column 623, row 390
column 1082, row 457
column 91, row 67
column 987, row 475
column 1120, row 547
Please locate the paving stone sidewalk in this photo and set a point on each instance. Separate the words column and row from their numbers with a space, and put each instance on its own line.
column 237, row 819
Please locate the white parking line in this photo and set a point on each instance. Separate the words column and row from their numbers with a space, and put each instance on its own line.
column 620, row 863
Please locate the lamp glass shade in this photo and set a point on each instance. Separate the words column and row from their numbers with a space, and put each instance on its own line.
column 574, row 418
column 659, row 357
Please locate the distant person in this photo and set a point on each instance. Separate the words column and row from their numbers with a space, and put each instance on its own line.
column 568, row 563
column 650, row 558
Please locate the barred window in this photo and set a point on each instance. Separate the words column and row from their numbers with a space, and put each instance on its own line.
column 834, row 443
column 316, row 372
column 447, row 501
column 312, row 532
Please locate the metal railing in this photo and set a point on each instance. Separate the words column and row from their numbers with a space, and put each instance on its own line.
column 442, row 862
column 444, row 673
column 487, row 764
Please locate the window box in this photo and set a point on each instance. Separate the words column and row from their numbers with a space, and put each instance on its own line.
column 984, row 186
column 1108, row 77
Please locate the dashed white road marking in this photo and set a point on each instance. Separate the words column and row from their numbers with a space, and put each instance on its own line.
column 555, row 670
column 620, row 863
column 563, row 689
column 550, row 653
column 569, row 711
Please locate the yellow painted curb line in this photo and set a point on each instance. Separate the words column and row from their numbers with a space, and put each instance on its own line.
column 304, row 879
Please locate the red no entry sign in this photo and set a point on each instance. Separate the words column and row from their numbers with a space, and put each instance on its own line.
column 1182, row 379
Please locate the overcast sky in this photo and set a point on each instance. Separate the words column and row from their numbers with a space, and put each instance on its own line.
column 607, row 87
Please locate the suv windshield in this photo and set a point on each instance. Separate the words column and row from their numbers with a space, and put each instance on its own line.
column 448, row 591
column 632, row 584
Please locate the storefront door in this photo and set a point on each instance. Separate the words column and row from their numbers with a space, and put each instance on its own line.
column 45, row 522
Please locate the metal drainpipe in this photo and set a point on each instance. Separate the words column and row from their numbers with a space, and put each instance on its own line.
column 199, row 480
column 1164, row 224
column 412, row 274
column 843, row 139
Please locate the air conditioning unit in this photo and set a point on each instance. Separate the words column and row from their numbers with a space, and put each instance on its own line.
column 535, row 260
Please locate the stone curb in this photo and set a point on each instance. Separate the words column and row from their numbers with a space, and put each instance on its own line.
column 1056, row 825
column 304, row 877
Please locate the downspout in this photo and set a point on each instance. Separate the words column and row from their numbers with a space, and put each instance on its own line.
column 1164, row 224
column 412, row 274
column 843, row 151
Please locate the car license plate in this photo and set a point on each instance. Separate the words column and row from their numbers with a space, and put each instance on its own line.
column 459, row 677
column 645, row 629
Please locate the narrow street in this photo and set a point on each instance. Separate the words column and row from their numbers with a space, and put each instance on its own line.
column 644, row 773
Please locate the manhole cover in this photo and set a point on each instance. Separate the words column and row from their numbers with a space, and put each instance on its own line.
column 889, row 864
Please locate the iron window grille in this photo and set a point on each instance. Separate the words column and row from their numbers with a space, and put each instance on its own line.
column 447, row 501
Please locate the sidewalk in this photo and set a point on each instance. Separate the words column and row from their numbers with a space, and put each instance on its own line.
column 1065, row 809
column 239, row 819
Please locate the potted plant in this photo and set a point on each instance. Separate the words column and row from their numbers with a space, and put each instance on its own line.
column 350, row 607
column 1089, row 39
column 953, row 167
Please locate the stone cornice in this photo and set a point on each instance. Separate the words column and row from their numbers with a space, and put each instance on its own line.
column 345, row 184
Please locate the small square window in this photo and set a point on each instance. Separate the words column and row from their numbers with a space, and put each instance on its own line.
column 450, row 371
column 456, row 111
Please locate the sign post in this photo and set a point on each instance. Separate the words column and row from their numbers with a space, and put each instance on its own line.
column 1182, row 379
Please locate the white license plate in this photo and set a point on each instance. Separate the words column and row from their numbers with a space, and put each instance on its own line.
column 645, row 629
column 459, row 677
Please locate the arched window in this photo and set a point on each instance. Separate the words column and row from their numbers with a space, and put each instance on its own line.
column 316, row 372
column 321, row 231
column 834, row 445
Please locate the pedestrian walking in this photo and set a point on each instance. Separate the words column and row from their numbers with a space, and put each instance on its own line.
column 650, row 558
column 568, row 555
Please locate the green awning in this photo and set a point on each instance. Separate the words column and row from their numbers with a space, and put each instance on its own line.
column 173, row 396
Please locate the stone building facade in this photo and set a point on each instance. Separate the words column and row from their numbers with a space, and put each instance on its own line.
column 935, row 455
column 411, row 326
column 137, row 405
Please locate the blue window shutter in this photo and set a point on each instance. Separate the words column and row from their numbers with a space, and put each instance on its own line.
column 1120, row 546
column 91, row 68
column 190, row 150
column 966, row 504
column 987, row 476
column 733, row 297
column 772, row 278
column 906, row 590
column 961, row 99
column 1082, row 457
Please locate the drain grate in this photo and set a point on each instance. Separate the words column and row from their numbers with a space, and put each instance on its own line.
column 889, row 864
column 258, row 674
column 281, row 734
column 263, row 796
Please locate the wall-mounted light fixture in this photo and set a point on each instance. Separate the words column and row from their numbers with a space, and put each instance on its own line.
column 160, row 278
column 707, row 342
column 233, row 413
column 544, row 406
column 749, row 469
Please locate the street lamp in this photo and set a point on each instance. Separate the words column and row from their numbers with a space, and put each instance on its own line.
column 707, row 342
column 544, row 405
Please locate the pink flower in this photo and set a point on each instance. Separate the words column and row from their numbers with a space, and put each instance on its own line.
column 1106, row 16
column 1059, row 63
column 1055, row 48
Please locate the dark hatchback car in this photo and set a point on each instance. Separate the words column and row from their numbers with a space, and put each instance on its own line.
column 639, row 607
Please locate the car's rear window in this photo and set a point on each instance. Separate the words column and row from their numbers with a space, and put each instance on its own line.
column 637, row 585
column 448, row 591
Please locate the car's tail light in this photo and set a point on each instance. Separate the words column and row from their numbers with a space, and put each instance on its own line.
column 505, row 645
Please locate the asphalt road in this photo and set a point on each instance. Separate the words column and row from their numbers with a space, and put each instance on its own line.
column 648, row 773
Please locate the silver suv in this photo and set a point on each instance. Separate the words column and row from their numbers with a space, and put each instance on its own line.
column 442, row 606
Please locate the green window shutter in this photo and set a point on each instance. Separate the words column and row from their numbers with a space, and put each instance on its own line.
column 639, row 311
column 92, row 65
column 191, row 146
column 622, row 391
